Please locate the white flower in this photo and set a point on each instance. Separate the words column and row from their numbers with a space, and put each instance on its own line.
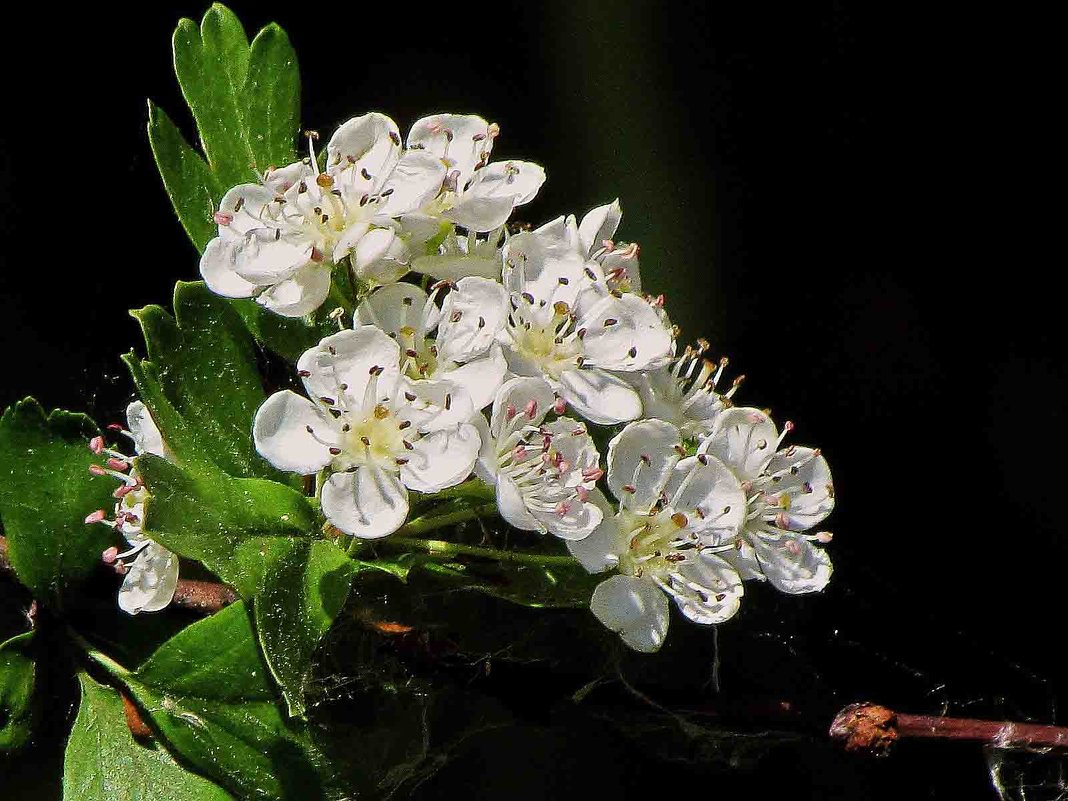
column 789, row 492
column 378, row 433
column 683, row 392
column 476, row 194
column 278, row 239
column 152, row 575
column 676, row 518
column 457, row 342
column 617, row 260
column 567, row 326
column 544, row 473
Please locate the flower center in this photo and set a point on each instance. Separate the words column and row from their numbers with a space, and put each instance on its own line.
column 550, row 342
column 654, row 544
column 375, row 439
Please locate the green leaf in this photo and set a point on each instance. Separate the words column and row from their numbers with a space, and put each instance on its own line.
column 45, row 493
column 191, row 185
column 103, row 761
column 246, row 104
column 301, row 594
column 209, row 694
column 17, row 675
column 205, row 515
column 204, row 366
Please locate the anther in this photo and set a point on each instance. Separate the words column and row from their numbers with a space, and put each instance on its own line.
column 96, row 517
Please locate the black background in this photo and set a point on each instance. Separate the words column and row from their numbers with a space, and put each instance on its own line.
column 845, row 199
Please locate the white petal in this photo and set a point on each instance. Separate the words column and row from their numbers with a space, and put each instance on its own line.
column 722, row 589
column 381, row 256
column 744, row 439
column 280, row 432
column 246, row 205
column 791, row 563
column 266, row 260
column 481, row 377
column 150, row 581
column 640, row 460
column 744, row 561
column 805, row 497
column 515, row 399
column 439, row 404
column 471, row 317
column 598, row 225
column 282, row 179
column 634, row 608
column 414, row 182
column 625, row 334
column 348, row 358
column 146, row 434
column 218, row 267
column 366, row 503
column 494, row 192
column 394, row 307
column 300, row 294
column 546, row 263
column 575, row 523
column 710, row 496
column 368, row 145
column 513, row 507
column 349, row 239
column 486, row 464
column 600, row 397
column 463, row 139
column 600, row 550
column 441, row 459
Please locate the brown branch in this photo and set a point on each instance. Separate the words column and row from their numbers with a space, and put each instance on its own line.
column 872, row 729
column 199, row 596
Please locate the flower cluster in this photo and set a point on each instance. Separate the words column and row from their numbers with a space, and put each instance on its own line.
column 150, row 570
column 472, row 348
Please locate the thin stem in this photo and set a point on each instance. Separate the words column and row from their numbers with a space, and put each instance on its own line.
column 451, row 549
column 872, row 729
column 422, row 525
column 474, row 488
column 105, row 661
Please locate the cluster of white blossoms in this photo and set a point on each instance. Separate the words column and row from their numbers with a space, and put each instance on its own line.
column 150, row 570
column 476, row 349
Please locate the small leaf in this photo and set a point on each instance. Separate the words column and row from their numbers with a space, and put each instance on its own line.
column 205, row 515
column 103, row 761
column 46, row 491
column 300, row 595
column 210, row 696
column 193, row 189
column 17, row 674
column 205, row 362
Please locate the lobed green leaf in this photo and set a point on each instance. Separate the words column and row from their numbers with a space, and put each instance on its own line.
column 46, row 491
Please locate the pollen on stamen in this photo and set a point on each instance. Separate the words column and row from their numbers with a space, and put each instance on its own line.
column 96, row 517
column 109, row 555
